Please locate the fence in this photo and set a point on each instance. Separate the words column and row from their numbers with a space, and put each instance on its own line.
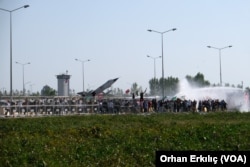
column 40, row 110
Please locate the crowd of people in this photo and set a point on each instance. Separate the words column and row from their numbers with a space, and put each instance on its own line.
column 66, row 105
column 179, row 105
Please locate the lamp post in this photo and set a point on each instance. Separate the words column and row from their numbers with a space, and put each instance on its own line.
column 10, row 11
column 162, row 33
column 219, row 49
column 23, row 64
column 82, row 61
column 154, row 58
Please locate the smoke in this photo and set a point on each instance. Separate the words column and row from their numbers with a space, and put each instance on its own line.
column 234, row 97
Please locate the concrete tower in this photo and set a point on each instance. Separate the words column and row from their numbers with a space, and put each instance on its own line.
column 63, row 84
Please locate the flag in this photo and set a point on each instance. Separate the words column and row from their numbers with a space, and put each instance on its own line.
column 127, row 91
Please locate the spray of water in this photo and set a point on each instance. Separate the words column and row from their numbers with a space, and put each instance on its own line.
column 234, row 97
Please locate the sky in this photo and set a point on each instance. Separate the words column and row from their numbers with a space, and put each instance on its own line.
column 113, row 35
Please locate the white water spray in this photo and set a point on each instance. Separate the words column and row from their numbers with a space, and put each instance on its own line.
column 234, row 97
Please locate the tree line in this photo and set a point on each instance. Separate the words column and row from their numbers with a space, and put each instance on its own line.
column 170, row 85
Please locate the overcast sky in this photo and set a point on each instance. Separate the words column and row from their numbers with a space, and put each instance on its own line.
column 113, row 34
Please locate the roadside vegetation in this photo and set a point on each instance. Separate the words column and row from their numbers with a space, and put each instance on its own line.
column 117, row 140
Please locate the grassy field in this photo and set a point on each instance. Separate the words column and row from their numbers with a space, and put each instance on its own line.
column 117, row 140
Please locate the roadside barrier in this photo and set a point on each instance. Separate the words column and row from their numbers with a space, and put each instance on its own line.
column 33, row 110
column 43, row 110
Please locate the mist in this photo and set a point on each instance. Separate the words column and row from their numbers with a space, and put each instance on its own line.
column 235, row 98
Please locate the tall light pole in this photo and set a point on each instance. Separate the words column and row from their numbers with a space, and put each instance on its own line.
column 219, row 49
column 162, row 33
column 23, row 64
column 82, row 61
column 154, row 58
column 10, row 11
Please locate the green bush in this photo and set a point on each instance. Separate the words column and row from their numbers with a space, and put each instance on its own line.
column 117, row 140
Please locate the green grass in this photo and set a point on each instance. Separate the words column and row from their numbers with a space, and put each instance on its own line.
column 117, row 140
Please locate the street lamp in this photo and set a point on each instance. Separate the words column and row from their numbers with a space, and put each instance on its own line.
column 83, row 61
column 219, row 49
column 23, row 64
column 154, row 58
column 173, row 29
column 10, row 11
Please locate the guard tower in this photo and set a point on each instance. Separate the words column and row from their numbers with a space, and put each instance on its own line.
column 63, row 84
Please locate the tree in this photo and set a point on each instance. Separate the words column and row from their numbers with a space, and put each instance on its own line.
column 247, row 91
column 16, row 93
column 48, row 91
column 170, row 86
column 154, row 86
column 240, row 86
column 36, row 93
column 117, row 91
column 135, row 89
column 198, row 80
